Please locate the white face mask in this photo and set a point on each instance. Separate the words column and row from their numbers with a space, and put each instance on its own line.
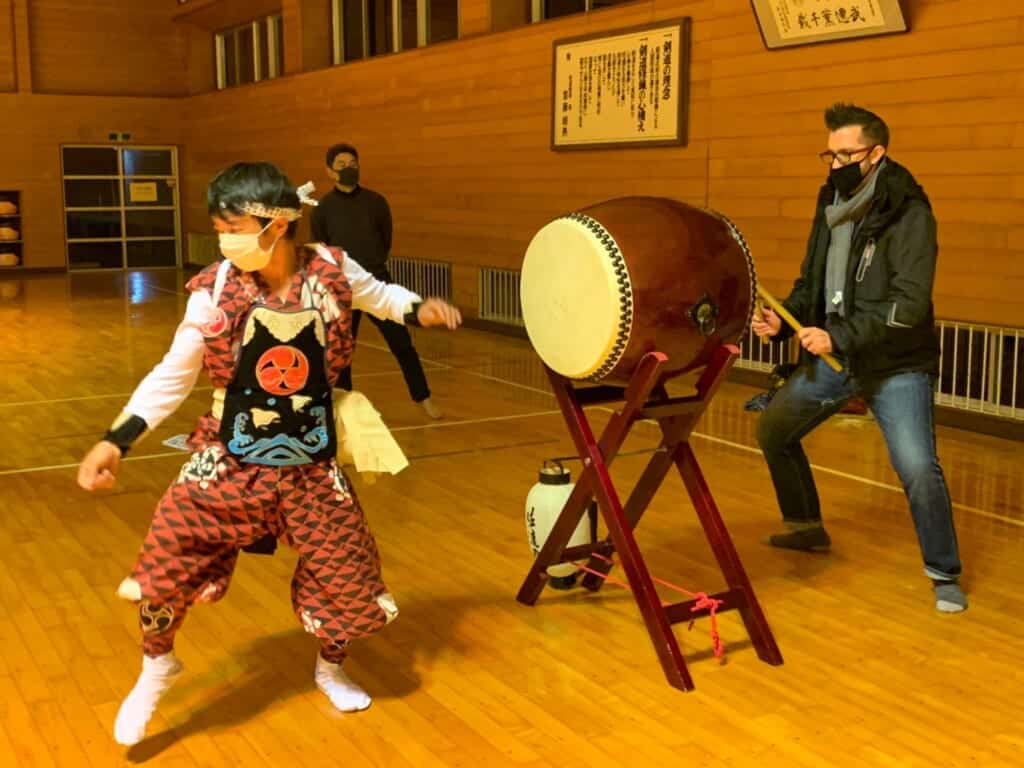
column 243, row 249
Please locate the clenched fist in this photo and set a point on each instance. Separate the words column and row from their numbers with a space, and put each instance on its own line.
column 435, row 312
column 765, row 323
column 99, row 467
column 815, row 340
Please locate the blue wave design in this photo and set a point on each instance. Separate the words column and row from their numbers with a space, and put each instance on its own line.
column 281, row 450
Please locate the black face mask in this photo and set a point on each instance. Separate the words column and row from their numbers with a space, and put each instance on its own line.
column 348, row 177
column 846, row 178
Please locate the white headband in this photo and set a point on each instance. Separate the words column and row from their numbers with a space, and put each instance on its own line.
column 261, row 211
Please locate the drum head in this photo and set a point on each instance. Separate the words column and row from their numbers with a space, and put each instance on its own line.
column 575, row 296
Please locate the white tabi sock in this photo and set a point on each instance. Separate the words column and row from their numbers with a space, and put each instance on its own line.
column 345, row 695
column 158, row 675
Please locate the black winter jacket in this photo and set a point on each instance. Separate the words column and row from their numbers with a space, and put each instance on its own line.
column 889, row 325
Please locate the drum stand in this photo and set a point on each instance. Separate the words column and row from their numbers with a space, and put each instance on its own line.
column 646, row 398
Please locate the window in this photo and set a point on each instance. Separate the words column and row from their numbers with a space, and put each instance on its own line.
column 249, row 53
column 382, row 22
column 553, row 9
column 364, row 28
column 443, row 21
column 506, row 14
column 409, row 24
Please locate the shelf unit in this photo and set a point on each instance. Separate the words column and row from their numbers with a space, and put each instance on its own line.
column 11, row 249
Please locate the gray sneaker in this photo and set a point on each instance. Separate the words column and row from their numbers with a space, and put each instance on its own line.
column 949, row 598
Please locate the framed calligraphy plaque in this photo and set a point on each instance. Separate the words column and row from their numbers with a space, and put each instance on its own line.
column 624, row 88
column 786, row 23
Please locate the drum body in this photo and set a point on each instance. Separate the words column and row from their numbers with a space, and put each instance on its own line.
column 602, row 287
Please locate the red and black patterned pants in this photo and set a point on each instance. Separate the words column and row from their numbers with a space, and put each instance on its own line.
column 217, row 506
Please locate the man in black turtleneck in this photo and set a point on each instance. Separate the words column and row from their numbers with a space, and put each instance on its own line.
column 358, row 220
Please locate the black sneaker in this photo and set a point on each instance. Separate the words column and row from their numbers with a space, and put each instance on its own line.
column 804, row 539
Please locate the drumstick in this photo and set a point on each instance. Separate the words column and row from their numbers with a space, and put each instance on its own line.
column 791, row 321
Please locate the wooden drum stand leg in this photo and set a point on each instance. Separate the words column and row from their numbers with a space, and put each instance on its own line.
column 646, row 398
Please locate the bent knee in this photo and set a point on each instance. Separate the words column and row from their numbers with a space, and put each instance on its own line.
column 916, row 468
column 771, row 432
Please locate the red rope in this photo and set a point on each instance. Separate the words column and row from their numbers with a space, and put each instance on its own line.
column 702, row 600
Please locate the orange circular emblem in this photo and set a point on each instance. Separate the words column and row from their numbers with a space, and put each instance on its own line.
column 282, row 370
column 217, row 325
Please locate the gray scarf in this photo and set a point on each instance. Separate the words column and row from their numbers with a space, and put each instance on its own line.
column 843, row 217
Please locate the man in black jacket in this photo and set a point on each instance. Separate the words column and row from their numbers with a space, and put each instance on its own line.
column 864, row 295
column 358, row 220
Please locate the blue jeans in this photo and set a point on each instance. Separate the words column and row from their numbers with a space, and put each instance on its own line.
column 902, row 405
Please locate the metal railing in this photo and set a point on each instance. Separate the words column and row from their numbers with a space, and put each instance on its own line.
column 499, row 296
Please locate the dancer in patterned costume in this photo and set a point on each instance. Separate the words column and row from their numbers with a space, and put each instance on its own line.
column 270, row 326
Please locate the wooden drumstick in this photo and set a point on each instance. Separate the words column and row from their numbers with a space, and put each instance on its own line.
column 791, row 321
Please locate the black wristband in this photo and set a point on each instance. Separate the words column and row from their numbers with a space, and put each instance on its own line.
column 126, row 433
column 412, row 317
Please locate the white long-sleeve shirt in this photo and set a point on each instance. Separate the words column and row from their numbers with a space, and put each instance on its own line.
column 167, row 386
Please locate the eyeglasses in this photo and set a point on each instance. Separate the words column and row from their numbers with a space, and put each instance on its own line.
column 844, row 156
column 343, row 166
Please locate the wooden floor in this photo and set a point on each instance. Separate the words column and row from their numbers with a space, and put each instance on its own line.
column 873, row 675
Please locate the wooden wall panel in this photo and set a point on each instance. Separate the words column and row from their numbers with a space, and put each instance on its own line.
column 317, row 45
column 457, row 137
column 509, row 14
column 107, row 47
column 291, row 19
column 474, row 17
column 952, row 92
column 201, row 62
column 22, row 45
column 216, row 15
column 8, row 58
column 30, row 153
column 307, row 35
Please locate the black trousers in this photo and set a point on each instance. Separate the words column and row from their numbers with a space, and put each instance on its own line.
column 400, row 343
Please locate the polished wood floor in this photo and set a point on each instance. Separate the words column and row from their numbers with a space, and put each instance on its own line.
column 873, row 675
